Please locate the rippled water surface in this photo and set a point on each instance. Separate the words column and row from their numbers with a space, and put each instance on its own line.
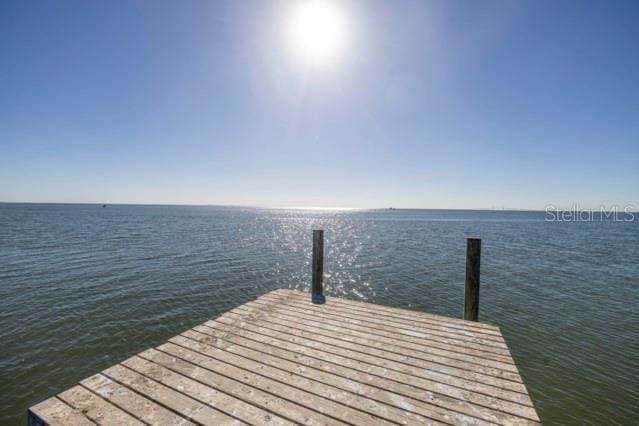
column 83, row 287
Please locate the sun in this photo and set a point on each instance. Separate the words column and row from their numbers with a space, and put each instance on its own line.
column 317, row 30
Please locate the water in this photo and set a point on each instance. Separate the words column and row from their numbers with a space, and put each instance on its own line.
column 83, row 287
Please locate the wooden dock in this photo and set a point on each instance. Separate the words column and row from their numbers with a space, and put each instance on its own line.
column 283, row 360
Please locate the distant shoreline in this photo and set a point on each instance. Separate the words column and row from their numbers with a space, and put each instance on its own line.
column 344, row 209
column 270, row 207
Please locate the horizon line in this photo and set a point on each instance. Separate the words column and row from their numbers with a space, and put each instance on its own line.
column 316, row 208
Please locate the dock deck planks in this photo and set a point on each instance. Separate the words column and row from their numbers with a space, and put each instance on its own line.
column 280, row 360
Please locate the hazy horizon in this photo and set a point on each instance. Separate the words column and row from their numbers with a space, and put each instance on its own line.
column 629, row 209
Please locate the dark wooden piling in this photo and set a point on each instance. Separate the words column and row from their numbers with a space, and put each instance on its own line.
column 317, row 289
column 471, row 293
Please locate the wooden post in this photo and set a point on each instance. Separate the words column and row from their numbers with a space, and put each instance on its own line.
column 317, row 290
column 471, row 293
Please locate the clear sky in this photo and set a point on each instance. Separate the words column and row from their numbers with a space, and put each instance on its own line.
column 472, row 104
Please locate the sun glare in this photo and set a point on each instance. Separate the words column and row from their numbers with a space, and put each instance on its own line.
column 317, row 30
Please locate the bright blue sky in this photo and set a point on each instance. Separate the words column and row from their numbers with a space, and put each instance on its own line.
column 444, row 104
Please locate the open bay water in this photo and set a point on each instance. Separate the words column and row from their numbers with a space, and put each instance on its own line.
column 83, row 287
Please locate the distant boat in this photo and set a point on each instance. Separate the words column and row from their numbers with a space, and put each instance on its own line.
column 104, row 206
column 392, row 208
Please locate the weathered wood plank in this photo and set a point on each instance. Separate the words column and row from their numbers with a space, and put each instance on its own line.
column 446, row 396
column 472, row 346
column 397, row 363
column 176, row 401
column 460, row 336
column 367, row 311
column 441, row 328
column 144, row 409
column 387, row 345
column 361, row 383
column 272, row 362
column 241, row 345
column 336, row 388
column 296, row 325
column 181, row 360
column 55, row 412
column 210, row 356
column 300, row 391
column 229, row 405
column 349, row 326
column 97, row 409
column 402, row 313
